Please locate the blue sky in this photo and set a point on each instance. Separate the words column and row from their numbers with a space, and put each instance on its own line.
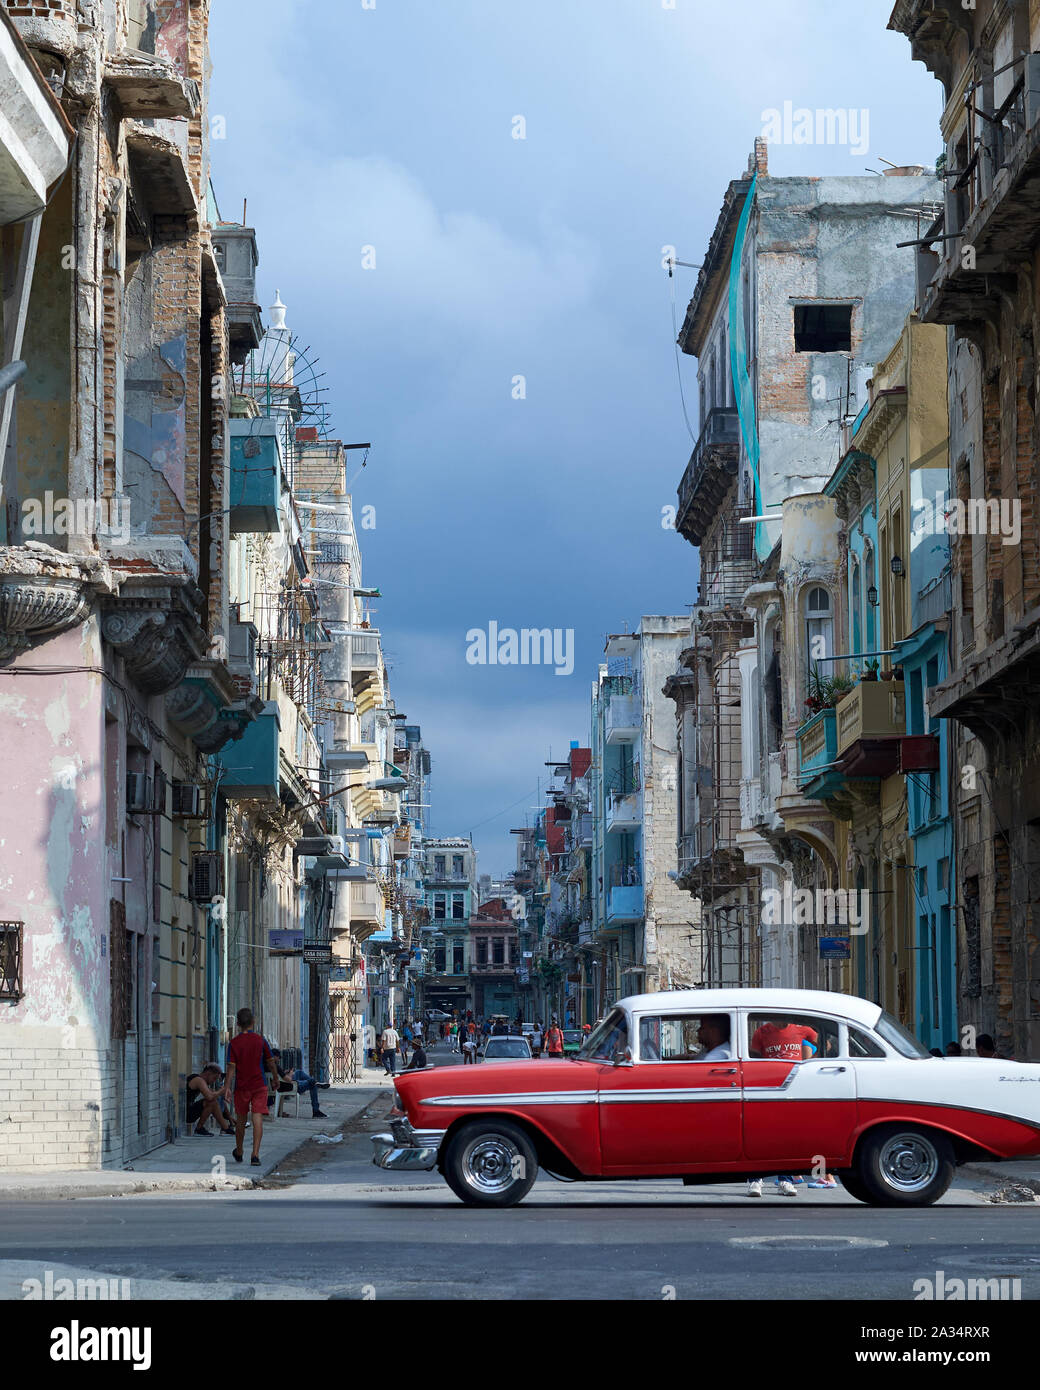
column 392, row 127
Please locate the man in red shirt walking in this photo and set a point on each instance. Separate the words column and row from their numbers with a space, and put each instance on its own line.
column 248, row 1055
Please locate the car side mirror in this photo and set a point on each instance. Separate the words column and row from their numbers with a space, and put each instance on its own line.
column 623, row 1057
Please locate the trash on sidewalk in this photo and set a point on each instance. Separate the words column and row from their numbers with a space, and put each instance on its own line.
column 328, row 1138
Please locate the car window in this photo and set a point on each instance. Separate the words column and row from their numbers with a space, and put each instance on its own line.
column 862, row 1045
column 507, row 1047
column 903, row 1041
column 783, row 1036
column 685, row 1037
column 608, row 1037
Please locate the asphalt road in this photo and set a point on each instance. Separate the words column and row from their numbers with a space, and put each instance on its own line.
column 339, row 1228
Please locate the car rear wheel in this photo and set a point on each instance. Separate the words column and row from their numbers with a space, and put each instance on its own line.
column 490, row 1163
column 903, row 1166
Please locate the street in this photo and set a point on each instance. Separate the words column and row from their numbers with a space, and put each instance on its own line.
column 336, row 1230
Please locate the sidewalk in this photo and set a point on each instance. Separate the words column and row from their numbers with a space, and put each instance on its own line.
column 1024, row 1172
column 194, row 1164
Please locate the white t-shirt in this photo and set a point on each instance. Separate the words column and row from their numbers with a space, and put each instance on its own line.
column 390, row 1040
column 722, row 1053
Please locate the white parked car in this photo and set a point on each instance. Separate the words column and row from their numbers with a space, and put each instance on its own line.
column 505, row 1049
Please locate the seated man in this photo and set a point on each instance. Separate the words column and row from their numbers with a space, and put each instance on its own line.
column 713, row 1036
column 203, row 1101
column 418, row 1058
column 304, row 1084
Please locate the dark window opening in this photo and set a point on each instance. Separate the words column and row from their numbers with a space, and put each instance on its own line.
column 823, row 328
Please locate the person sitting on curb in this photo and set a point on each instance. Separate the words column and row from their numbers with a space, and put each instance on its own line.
column 418, row 1058
column 248, row 1056
column 306, row 1085
column 204, row 1101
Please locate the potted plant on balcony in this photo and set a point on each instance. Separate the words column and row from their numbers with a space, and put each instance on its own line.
column 870, row 670
column 837, row 688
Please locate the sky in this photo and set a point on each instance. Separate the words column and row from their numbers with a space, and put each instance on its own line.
column 465, row 205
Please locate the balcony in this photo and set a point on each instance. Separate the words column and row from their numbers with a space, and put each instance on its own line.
column 623, row 721
column 255, row 479
column 237, row 258
column 709, row 474
column 992, row 205
column 817, row 754
column 367, row 909
column 491, row 968
column 249, row 767
column 36, row 140
column 870, row 722
column 623, row 812
column 624, row 904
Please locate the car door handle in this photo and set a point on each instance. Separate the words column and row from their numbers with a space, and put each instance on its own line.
column 723, row 1071
column 823, row 1069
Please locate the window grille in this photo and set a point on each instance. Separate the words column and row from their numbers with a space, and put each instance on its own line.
column 11, row 945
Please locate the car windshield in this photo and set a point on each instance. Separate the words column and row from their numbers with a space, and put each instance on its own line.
column 507, row 1047
column 572, row 1035
column 606, row 1038
column 903, row 1041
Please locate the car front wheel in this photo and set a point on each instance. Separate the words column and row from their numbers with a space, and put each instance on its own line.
column 490, row 1163
column 902, row 1166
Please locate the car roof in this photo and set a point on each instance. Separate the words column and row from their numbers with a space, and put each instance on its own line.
column 711, row 1000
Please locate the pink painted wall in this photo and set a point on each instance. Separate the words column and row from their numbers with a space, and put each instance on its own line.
column 53, row 869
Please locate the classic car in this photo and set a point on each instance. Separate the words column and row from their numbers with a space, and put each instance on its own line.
column 572, row 1041
column 715, row 1086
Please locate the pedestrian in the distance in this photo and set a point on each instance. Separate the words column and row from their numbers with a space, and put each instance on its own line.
column 391, row 1042
column 554, row 1040
column 248, row 1057
column 407, row 1037
column 469, row 1049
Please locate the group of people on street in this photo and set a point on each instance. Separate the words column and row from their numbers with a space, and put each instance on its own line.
column 210, row 1093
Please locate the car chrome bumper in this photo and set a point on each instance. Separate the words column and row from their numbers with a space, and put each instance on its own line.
column 406, row 1150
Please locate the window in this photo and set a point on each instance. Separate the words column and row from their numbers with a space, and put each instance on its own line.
column 482, row 955
column 498, row 951
column 903, row 1041
column 787, row 1037
column 819, row 626
column 862, row 1045
column 458, row 907
column 439, row 906
column 609, row 1038
column 457, row 866
column 11, row 944
column 686, row 1038
column 439, row 862
column 823, row 328
column 439, row 963
column 457, row 958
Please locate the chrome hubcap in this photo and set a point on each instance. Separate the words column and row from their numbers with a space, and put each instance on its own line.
column 490, row 1164
column 909, row 1162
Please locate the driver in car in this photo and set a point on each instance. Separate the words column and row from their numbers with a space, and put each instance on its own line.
column 713, row 1036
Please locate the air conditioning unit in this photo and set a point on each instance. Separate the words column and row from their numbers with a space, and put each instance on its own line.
column 207, row 876
column 187, row 799
column 138, row 793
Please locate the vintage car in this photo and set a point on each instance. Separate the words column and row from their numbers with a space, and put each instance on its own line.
column 718, row 1085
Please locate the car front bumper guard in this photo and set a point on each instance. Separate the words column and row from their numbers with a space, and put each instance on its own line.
column 406, row 1150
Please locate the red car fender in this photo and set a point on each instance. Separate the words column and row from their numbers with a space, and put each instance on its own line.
column 1002, row 1135
column 560, row 1103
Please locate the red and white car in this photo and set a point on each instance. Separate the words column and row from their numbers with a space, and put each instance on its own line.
column 717, row 1085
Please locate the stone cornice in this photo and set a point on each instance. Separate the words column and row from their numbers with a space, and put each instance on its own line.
column 44, row 592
